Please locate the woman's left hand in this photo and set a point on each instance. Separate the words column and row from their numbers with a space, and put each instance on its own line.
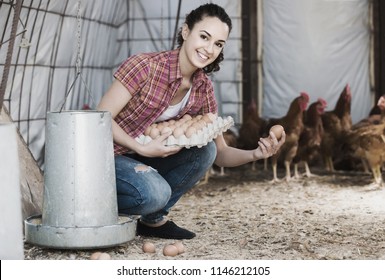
column 269, row 146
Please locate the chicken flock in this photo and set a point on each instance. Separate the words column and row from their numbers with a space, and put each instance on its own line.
column 314, row 135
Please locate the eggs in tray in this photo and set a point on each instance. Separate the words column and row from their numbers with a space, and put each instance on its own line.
column 188, row 131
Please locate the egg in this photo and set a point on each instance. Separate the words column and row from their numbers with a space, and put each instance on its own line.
column 209, row 118
column 165, row 130
column 179, row 122
column 147, row 131
column 189, row 122
column 148, row 247
column 178, row 131
column 187, row 117
column 277, row 130
column 170, row 250
column 197, row 125
column 160, row 126
column 202, row 123
column 172, row 127
column 104, row 256
column 154, row 133
column 185, row 126
column 179, row 245
column 190, row 131
column 95, row 256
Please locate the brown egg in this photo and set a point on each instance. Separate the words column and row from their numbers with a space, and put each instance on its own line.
column 170, row 250
column 189, row 122
column 148, row 247
column 179, row 122
column 187, row 117
column 202, row 123
column 197, row 125
column 147, row 131
column 209, row 118
column 179, row 245
column 154, row 133
column 172, row 127
column 190, row 131
column 277, row 130
column 165, row 130
column 104, row 256
column 95, row 256
column 178, row 131
column 185, row 126
column 160, row 126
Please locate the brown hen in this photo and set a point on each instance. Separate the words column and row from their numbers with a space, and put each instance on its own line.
column 368, row 143
column 311, row 136
column 251, row 129
column 335, row 124
column 292, row 122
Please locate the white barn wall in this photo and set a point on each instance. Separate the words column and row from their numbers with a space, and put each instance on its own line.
column 317, row 46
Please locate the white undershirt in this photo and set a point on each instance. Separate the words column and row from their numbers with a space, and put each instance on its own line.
column 173, row 110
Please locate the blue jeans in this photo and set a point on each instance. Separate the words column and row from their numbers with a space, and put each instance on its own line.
column 151, row 186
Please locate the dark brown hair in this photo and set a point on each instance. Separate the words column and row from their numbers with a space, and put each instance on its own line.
column 210, row 10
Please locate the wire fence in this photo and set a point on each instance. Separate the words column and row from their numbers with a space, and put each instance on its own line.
column 52, row 35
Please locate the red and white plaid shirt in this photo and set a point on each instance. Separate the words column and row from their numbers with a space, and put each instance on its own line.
column 153, row 80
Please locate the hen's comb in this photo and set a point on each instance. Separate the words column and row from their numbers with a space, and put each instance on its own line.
column 348, row 91
column 305, row 96
column 322, row 101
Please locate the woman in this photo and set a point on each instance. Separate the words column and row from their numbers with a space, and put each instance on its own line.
column 155, row 87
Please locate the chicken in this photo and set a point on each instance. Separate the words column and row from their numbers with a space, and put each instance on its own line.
column 347, row 160
column 86, row 107
column 368, row 143
column 251, row 129
column 373, row 118
column 310, row 138
column 292, row 122
column 335, row 124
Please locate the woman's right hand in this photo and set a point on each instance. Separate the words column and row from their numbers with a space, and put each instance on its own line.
column 157, row 148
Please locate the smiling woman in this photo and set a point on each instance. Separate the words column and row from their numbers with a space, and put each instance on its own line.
column 168, row 85
column 203, row 44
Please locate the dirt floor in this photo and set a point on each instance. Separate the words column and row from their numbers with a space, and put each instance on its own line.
column 243, row 215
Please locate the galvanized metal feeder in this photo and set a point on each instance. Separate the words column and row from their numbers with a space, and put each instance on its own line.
column 80, row 206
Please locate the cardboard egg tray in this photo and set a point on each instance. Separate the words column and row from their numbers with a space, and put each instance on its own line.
column 201, row 138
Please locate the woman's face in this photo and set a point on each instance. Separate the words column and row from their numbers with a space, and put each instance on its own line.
column 205, row 41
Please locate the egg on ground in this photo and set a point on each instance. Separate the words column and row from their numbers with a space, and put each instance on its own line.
column 179, row 245
column 148, row 247
column 170, row 250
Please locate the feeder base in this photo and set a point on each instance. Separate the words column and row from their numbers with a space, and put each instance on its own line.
column 79, row 237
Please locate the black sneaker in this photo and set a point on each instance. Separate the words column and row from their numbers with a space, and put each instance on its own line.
column 169, row 230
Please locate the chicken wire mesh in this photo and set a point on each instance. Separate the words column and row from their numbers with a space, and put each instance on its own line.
column 51, row 37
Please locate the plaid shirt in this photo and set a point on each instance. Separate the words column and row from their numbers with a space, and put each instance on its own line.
column 153, row 80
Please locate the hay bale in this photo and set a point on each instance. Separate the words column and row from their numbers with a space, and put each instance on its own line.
column 31, row 177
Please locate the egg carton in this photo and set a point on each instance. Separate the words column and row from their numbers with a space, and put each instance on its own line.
column 201, row 138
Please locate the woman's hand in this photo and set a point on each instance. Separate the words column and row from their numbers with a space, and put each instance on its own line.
column 156, row 147
column 269, row 146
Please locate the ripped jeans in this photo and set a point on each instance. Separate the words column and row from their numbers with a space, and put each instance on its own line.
column 151, row 186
